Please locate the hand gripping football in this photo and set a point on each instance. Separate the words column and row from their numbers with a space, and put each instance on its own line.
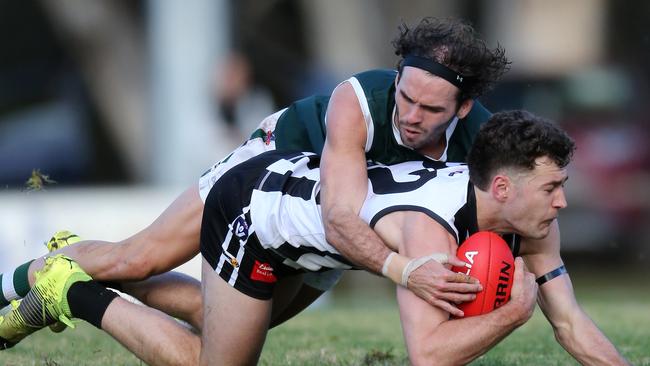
column 489, row 260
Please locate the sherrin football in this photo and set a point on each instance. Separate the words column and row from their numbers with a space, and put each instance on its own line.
column 489, row 260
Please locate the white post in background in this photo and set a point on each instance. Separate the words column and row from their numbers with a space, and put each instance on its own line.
column 187, row 40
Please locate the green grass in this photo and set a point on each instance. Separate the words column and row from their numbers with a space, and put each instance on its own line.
column 83, row 346
column 363, row 329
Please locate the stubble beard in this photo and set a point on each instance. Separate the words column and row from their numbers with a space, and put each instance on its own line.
column 426, row 138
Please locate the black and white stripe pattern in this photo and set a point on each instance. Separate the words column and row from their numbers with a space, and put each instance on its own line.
column 234, row 246
column 285, row 210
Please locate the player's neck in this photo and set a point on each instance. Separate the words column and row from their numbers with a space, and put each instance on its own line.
column 489, row 213
column 436, row 150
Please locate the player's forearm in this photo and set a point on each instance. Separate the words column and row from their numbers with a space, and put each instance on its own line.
column 355, row 240
column 586, row 343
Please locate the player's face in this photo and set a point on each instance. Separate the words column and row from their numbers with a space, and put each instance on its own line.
column 426, row 105
column 537, row 198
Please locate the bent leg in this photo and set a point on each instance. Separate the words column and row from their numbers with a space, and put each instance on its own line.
column 173, row 293
column 234, row 324
column 172, row 239
column 152, row 336
column 179, row 296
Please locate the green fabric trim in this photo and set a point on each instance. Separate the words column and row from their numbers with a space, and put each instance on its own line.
column 3, row 302
column 21, row 279
column 258, row 134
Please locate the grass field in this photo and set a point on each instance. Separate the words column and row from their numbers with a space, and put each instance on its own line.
column 363, row 329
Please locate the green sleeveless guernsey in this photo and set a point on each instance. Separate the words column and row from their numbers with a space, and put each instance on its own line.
column 302, row 125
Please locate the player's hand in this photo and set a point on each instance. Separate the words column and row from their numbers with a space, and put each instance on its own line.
column 524, row 293
column 443, row 288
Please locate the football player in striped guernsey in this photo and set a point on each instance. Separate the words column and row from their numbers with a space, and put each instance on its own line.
column 424, row 110
column 261, row 231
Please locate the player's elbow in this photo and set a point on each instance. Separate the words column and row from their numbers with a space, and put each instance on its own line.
column 420, row 356
column 334, row 220
column 433, row 353
column 433, row 358
column 565, row 328
column 565, row 323
column 565, row 333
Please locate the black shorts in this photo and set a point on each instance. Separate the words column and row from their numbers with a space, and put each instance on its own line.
column 228, row 240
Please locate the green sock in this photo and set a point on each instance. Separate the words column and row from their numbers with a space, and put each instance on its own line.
column 15, row 284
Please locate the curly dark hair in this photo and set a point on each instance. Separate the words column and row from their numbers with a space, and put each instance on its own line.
column 455, row 44
column 514, row 139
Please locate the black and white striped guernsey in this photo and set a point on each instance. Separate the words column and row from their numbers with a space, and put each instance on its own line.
column 285, row 211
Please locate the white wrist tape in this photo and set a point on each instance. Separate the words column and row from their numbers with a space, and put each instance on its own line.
column 416, row 263
column 384, row 268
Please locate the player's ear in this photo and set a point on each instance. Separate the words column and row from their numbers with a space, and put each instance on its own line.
column 501, row 187
column 465, row 107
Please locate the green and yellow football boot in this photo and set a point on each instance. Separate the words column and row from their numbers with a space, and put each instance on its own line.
column 46, row 303
column 4, row 343
column 61, row 239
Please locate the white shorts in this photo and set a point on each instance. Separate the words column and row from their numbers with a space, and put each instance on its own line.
column 322, row 281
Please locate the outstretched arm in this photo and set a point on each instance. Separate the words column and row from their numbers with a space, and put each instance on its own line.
column 573, row 328
column 344, row 181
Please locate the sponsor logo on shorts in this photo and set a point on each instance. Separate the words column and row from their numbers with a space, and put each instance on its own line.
column 240, row 228
column 263, row 272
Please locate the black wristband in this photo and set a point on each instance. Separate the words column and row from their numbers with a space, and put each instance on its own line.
column 551, row 275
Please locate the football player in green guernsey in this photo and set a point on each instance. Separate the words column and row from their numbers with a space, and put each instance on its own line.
column 426, row 109
column 262, row 230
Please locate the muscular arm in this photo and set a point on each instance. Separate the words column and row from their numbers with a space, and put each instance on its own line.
column 344, row 183
column 431, row 337
column 573, row 328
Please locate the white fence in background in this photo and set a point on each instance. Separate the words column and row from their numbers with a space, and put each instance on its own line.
column 28, row 219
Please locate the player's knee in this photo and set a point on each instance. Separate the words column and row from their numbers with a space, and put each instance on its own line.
column 132, row 261
column 137, row 266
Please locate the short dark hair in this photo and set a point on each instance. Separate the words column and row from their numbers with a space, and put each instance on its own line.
column 455, row 44
column 515, row 139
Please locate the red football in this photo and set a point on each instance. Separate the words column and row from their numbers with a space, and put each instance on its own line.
column 490, row 261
